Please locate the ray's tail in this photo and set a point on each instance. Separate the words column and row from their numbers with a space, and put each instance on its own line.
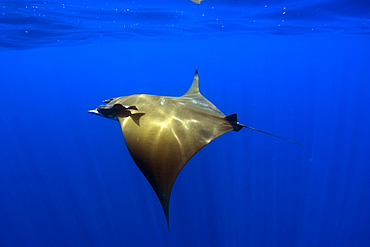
column 238, row 126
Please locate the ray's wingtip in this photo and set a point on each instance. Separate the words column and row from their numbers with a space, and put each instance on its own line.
column 196, row 1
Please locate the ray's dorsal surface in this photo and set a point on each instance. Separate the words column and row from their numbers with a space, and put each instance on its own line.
column 162, row 133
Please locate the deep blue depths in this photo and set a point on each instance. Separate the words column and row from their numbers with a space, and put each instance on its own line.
column 67, row 179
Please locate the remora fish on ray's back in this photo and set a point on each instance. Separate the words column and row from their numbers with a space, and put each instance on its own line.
column 162, row 133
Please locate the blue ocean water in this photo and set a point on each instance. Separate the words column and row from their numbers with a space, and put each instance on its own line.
column 297, row 69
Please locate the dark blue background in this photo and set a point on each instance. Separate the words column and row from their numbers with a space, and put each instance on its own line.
column 67, row 178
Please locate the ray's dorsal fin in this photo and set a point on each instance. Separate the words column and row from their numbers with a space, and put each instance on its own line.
column 194, row 89
column 233, row 121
